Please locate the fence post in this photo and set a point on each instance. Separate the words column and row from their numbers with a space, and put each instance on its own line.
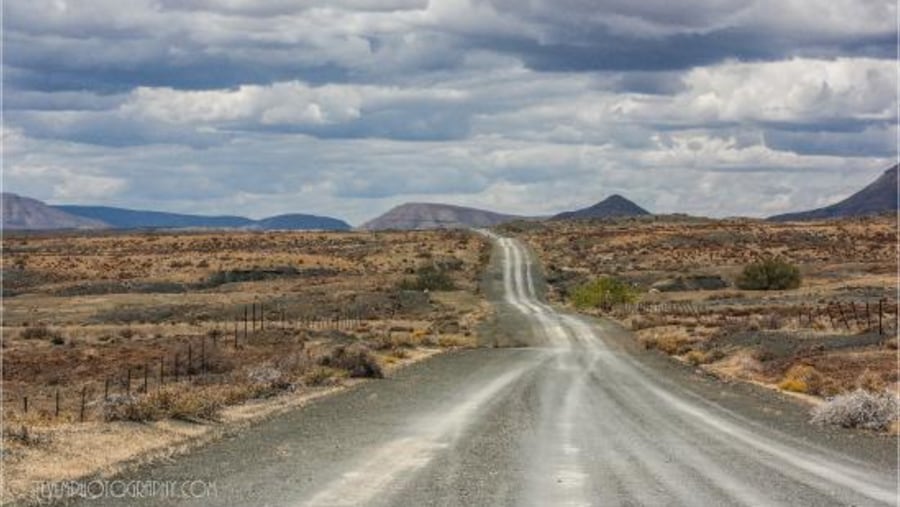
column 235, row 334
column 146, row 375
column 175, row 367
column 868, row 318
column 106, row 389
column 880, row 319
column 262, row 318
column 56, row 412
column 830, row 316
column 245, row 322
column 843, row 317
column 203, row 354
column 25, row 404
column 81, row 412
column 162, row 377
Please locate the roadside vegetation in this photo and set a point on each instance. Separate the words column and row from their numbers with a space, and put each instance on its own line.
column 808, row 309
column 604, row 292
column 108, row 328
column 769, row 274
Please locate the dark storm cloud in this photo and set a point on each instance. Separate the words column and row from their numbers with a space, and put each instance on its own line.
column 119, row 65
column 106, row 129
column 869, row 142
column 206, row 44
column 608, row 52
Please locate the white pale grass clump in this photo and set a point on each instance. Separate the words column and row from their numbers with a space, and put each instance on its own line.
column 859, row 409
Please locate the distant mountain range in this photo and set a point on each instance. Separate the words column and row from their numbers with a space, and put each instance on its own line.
column 878, row 197
column 417, row 215
column 611, row 207
column 25, row 213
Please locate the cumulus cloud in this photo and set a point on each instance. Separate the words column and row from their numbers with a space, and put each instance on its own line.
column 349, row 106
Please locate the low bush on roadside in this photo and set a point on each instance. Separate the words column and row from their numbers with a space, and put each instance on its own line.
column 859, row 409
column 191, row 404
column 322, row 375
column 171, row 402
column 603, row 293
column 357, row 360
column 697, row 357
column 802, row 379
column 769, row 274
column 268, row 381
column 668, row 340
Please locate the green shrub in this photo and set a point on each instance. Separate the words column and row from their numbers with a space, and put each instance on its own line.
column 769, row 274
column 429, row 277
column 603, row 292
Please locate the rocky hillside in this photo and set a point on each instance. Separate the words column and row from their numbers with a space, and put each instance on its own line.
column 878, row 197
column 24, row 213
column 435, row 216
column 612, row 206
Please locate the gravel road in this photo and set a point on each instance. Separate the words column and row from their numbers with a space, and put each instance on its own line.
column 575, row 415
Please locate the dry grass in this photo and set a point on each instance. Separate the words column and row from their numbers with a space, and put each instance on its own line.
column 803, row 379
column 789, row 339
column 669, row 339
column 88, row 307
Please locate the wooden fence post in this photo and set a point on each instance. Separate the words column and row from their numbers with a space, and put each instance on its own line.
column 830, row 316
column 146, row 375
column 81, row 412
column 175, row 367
column 880, row 318
column 253, row 306
column 202, row 354
column 868, row 318
column 245, row 322
column 25, row 404
column 56, row 412
column 106, row 389
column 843, row 317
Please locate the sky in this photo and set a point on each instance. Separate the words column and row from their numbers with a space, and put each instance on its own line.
column 349, row 107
